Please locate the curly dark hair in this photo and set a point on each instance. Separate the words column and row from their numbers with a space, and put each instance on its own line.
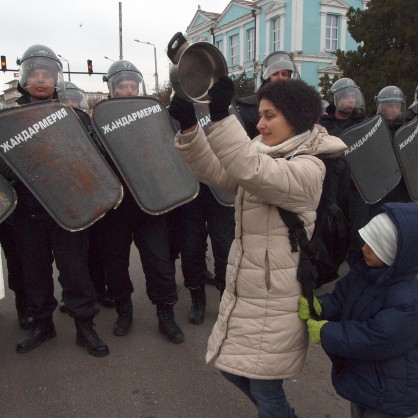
column 300, row 103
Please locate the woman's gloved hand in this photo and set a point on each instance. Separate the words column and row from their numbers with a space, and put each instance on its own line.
column 304, row 312
column 221, row 94
column 182, row 111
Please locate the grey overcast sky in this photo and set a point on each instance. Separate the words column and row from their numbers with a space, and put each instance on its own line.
column 89, row 29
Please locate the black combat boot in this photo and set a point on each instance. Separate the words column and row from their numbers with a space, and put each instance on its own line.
column 43, row 329
column 25, row 321
column 167, row 325
column 87, row 337
column 125, row 316
column 197, row 311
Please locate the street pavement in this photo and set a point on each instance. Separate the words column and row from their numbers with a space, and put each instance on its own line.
column 144, row 376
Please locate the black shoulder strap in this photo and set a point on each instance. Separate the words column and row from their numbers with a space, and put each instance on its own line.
column 336, row 169
column 306, row 269
column 297, row 232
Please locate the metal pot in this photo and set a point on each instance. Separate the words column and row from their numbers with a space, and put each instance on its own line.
column 195, row 68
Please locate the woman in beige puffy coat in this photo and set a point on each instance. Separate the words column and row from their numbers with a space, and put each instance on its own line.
column 258, row 339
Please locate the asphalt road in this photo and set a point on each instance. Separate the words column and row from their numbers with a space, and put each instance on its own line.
column 144, row 376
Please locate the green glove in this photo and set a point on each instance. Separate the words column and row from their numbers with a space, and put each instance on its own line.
column 314, row 329
column 304, row 313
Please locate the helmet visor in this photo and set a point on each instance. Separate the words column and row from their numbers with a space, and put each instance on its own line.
column 349, row 99
column 394, row 112
column 276, row 62
column 73, row 98
column 38, row 71
column 126, row 84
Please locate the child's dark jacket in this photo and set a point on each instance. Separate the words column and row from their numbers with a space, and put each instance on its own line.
column 373, row 342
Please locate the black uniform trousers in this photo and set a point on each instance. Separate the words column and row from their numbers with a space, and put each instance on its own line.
column 40, row 242
column 129, row 223
column 193, row 222
column 98, row 255
column 14, row 265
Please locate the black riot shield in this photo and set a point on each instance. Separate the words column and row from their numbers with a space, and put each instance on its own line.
column 49, row 149
column 374, row 166
column 8, row 199
column 138, row 135
column 406, row 148
column 203, row 118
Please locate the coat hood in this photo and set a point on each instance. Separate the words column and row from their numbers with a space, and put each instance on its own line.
column 405, row 218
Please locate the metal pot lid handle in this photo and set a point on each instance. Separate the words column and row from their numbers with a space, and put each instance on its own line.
column 174, row 45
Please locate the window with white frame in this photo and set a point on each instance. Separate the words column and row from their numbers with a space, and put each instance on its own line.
column 220, row 45
column 250, row 44
column 234, row 50
column 334, row 24
column 331, row 32
column 275, row 34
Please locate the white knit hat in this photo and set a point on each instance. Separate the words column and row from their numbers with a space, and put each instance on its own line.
column 382, row 237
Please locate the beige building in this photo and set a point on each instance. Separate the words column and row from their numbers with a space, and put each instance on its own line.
column 10, row 94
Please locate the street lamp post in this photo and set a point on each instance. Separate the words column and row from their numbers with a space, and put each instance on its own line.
column 68, row 66
column 155, row 63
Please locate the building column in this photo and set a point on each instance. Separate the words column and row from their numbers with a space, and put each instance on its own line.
column 297, row 25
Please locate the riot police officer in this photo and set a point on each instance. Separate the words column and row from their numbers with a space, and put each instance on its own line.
column 130, row 223
column 391, row 103
column 279, row 65
column 75, row 97
column 40, row 240
column 347, row 107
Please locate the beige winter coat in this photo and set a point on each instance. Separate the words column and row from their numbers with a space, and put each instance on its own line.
column 258, row 333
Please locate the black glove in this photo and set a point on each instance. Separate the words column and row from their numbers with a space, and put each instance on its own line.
column 221, row 95
column 183, row 111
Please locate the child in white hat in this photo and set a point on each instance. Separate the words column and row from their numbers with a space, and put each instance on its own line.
column 369, row 324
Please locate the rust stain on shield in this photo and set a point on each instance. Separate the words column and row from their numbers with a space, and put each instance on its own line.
column 48, row 147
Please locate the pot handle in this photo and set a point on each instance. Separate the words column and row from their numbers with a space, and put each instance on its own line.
column 174, row 45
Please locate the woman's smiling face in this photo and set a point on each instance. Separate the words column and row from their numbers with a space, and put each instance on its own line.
column 272, row 125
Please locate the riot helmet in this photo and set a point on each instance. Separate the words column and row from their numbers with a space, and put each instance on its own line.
column 347, row 97
column 325, row 105
column 39, row 65
column 391, row 103
column 276, row 61
column 414, row 105
column 73, row 96
column 124, row 80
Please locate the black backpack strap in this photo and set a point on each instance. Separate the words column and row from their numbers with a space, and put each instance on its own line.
column 340, row 220
column 306, row 269
column 335, row 168
column 297, row 232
